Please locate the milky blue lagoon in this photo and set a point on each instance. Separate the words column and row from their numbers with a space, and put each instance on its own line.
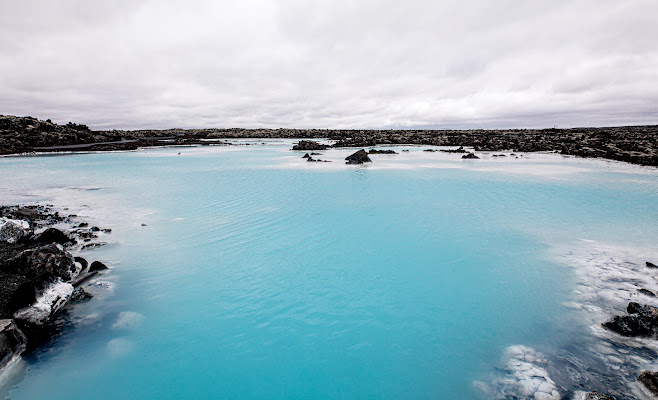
column 420, row 276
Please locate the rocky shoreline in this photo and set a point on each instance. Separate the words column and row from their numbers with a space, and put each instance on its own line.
column 39, row 276
column 632, row 144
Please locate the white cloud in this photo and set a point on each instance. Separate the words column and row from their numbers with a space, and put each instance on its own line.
column 366, row 64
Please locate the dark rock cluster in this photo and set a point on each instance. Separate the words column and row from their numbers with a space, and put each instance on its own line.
column 375, row 151
column 38, row 275
column 309, row 145
column 641, row 321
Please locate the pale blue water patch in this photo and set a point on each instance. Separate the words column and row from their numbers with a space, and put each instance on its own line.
column 261, row 276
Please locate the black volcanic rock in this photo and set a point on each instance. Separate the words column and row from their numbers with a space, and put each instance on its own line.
column 374, row 151
column 641, row 321
column 52, row 235
column 646, row 292
column 471, row 156
column 79, row 295
column 309, row 145
column 306, row 156
column 51, row 259
column 651, row 265
column 359, row 157
column 649, row 380
column 459, row 150
column 594, row 395
column 12, row 342
column 97, row 266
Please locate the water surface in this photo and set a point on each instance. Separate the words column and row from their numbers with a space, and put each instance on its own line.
column 259, row 275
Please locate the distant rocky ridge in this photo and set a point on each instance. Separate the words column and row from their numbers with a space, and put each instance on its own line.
column 633, row 144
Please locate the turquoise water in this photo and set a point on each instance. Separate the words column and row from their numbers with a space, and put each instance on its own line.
column 258, row 275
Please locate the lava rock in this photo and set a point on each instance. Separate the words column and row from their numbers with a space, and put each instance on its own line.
column 82, row 262
column 459, row 150
column 50, row 299
column 594, row 395
column 470, row 156
column 642, row 321
column 12, row 342
column 306, row 156
column 651, row 265
column 359, row 157
column 646, row 292
column 374, row 151
column 649, row 380
column 52, row 235
column 79, row 294
column 97, row 266
column 51, row 259
column 11, row 231
column 309, row 145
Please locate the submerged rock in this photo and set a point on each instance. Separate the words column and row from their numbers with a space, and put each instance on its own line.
column 646, row 292
column 470, row 156
column 651, row 265
column 309, row 145
column 359, row 157
column 594, row 395
column 642, row 321
column 649, row 380
column 12, row 342
column 306, row 156
column 524, row 376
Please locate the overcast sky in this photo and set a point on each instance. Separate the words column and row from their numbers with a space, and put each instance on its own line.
column 331, row 63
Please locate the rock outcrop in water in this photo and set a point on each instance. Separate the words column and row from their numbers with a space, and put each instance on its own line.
column 359, row 157
column 641, row 321
column 470, row 156
column 38, row 276
column 309, row 145
column 649, row 381
column 375, row 151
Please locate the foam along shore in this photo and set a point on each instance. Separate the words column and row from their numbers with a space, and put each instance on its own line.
column 39, row 275
column 616, row 298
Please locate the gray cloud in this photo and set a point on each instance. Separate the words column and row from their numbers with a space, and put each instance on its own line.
column 331, row 64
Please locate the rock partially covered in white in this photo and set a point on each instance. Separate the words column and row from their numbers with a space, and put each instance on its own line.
column 11, row 230
column 524, row 377
column 50, row 300
column 12, row 342
column 51, row 258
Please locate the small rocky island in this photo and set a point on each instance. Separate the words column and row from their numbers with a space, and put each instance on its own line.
column 38, row 274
